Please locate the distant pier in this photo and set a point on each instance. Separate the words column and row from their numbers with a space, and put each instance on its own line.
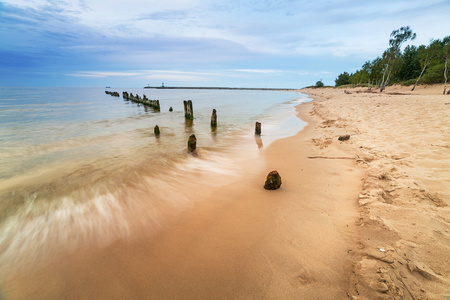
column 216, row 88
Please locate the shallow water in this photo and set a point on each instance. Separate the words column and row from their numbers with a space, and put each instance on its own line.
column 79, row 167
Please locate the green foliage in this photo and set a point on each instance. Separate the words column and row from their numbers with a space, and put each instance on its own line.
column 342, row 79
column 408, row 82
column 319, row 84
column 400, row 36
column 410, row 64
column 434, row 74
column 395, row 66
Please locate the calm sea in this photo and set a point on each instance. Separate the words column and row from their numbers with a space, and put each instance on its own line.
column 78, row 166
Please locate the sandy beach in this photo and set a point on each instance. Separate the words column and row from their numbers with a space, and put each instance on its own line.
column 365, row 218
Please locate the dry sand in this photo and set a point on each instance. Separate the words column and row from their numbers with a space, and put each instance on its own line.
column 402, row 140
column 366, row 218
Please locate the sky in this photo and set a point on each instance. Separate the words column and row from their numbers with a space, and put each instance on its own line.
column 228, row 43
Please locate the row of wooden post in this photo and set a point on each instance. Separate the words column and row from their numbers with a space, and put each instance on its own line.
column 144, row 100
column 188, row 114
column 115, row 94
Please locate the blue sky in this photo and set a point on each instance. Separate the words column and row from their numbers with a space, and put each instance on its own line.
column 255, row 43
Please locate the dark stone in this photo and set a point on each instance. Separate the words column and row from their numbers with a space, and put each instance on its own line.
column 192, row 143
column 273, row 181
column 258, row 128
column 214, row 118
column 156, row 130
column 344, row 137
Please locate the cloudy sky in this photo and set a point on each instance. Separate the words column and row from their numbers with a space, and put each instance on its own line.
column 253, row 43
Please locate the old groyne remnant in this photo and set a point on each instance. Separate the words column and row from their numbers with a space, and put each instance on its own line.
column 192, row 143
column 214, row 118
column 257, row 128
column 188, row 110
column 115, row 94
column 156, row 130
column 144, row 100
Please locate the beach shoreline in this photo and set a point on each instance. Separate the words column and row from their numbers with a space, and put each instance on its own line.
column 332, row 231
column 400, row 138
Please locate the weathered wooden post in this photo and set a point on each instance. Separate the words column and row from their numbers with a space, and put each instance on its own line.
column 192, row 143
column 258, row 128
column 188, row 110
column 214, row 118
column 156, row 130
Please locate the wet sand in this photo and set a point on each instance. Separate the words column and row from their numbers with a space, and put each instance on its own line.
column 352, row 219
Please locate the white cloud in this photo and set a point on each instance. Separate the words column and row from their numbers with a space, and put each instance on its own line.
column 104, row 74
column 260, row 71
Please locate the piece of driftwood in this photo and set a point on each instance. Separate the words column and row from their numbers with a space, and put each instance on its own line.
column 344, row 137
column 332, row 157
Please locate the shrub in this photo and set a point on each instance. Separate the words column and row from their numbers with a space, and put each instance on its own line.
column 434, row 74
column 319, row 84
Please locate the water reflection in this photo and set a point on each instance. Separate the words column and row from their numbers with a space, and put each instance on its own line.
column 258, row 141
column 188, row 126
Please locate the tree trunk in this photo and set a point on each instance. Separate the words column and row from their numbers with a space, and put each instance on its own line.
column 382, row 80
column 383, row 86
column 445, row 76
column 421, row 73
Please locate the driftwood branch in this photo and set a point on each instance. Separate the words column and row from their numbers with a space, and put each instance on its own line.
column 332, row 157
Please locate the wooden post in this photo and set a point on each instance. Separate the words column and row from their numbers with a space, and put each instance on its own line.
column 156, row 130
column 188, row 110
column 214, row 118
column 258, row 128
column 192, row 143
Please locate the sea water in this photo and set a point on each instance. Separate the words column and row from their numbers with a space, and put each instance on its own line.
column 80, row 167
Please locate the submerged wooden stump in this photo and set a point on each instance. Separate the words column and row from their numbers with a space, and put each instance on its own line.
column 192, row 143
column 273, row 181
column 214, row 118
column 258, row 128
column 156, row 130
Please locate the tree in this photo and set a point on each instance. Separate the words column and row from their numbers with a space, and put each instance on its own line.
column 319, row 84
column 392, row 54
column 342, row 79
column 410, row 64
column 424, row 53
